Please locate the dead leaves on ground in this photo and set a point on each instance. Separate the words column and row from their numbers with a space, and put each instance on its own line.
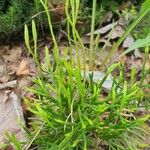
column 16, row 73
column 13, row 64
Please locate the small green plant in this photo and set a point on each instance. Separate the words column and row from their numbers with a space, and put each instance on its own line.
column 70, row 114
column 70, row 111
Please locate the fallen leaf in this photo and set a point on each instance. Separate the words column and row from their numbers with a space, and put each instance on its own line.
column 23, row 69
column 58, row 12
column 105, row 29
column 24, row 83
column 106, row 42
column 32, row 67
column 137, row 44
column 117, row 32
column 5, row 78
column 134, row 63
column 101, row 56
column 128, row 41
column 12, row 67
column 13, row 55
column 137, row 53
column 10, row 84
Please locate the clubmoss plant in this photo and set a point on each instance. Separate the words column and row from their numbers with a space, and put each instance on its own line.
column 71, row 112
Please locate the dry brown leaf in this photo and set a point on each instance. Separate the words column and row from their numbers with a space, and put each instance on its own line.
column 10, row 84
column 32, row 67
column 105, row 29
column 13, row 55
column 24, row 83
column 4, row 78
column 117, row 32
column 137, row 53
column 12, row 67
column 23, row 69
column 58, row 12
column 134, row 63
column 128, row 41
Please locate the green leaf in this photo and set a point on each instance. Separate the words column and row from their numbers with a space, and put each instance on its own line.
column 59, row 121
column 145, row 6
column 112, row 67
column 81, row 120
column 88, row 120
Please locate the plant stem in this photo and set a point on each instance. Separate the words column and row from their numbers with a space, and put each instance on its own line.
column 92, row 34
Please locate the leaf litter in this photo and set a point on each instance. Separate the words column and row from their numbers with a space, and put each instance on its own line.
column 16, row 72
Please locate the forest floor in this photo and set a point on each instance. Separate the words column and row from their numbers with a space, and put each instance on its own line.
column 18, row 69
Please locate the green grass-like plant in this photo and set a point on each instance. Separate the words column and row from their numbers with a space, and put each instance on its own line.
column 69, row 111
column 70, row 114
